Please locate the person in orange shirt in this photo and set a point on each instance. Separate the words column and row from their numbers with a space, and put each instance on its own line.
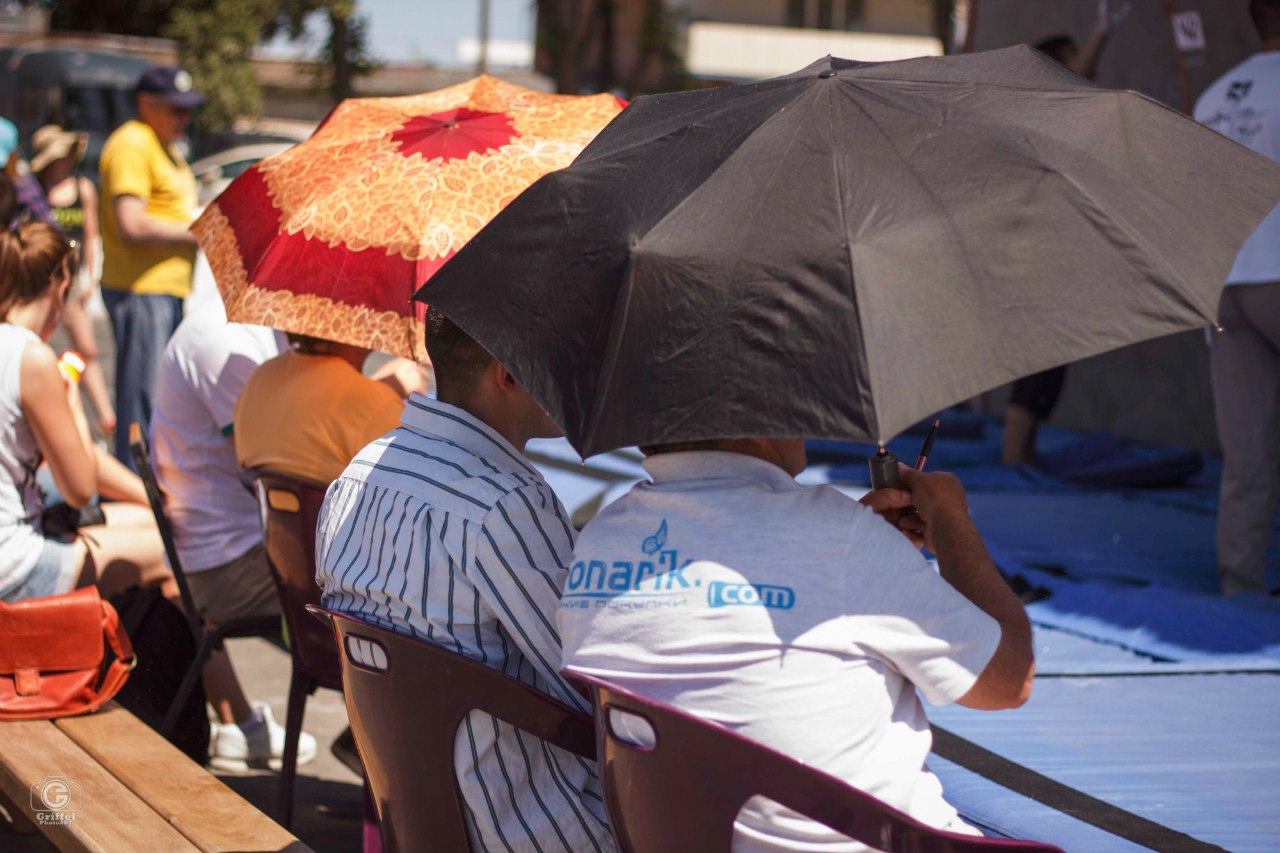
column 309, row 411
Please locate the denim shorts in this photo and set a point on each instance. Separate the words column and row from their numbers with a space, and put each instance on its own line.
column 54, row 573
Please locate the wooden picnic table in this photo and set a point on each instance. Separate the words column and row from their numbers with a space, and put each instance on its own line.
column 123, row 788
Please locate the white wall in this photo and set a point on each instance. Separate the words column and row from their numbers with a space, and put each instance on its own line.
column 737, row 51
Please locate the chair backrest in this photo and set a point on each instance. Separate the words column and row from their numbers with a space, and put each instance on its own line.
column 141, row 452
column 290, row 507
column 684, row 792
column 405, row 699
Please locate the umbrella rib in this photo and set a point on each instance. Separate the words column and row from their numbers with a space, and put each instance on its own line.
column 867, row 401
column 1171, row 275
column 623, row 302
column 1099, row 214
column 951, row 222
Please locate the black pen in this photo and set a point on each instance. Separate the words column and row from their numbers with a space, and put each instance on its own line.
column 928, row 444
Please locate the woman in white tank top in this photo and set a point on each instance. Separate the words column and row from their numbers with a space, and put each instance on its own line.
column 41, row 418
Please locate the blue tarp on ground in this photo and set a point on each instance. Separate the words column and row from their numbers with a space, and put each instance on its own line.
column 1197, row 753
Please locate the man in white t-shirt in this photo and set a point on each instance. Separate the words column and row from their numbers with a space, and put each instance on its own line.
column 798, row 618
column 1244, row 104
column 213, row 511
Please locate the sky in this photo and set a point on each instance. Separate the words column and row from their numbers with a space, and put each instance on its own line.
column 427, row 30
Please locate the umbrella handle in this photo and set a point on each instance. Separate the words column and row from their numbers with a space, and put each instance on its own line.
column 884, row 469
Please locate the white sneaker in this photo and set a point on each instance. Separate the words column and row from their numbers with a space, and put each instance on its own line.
column 257, row 743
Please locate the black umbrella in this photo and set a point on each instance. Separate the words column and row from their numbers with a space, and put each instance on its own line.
column 842, row 251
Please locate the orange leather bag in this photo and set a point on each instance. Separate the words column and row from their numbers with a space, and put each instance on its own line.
column 52, row 655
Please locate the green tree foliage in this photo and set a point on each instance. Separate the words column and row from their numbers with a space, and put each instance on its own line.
column 345, row 54
column 215, row 43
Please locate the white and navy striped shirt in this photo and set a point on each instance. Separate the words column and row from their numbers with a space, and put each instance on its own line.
column 442, row 530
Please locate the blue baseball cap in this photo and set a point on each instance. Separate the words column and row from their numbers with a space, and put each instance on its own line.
column 170, row 83
column 8, row 140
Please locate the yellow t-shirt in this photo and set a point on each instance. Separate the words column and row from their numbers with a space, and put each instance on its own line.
column 135, row 163
column 309, row 415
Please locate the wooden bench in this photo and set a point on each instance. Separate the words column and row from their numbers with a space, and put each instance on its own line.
column 136, row 791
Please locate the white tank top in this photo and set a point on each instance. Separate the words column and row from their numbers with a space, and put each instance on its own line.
column 21, row 539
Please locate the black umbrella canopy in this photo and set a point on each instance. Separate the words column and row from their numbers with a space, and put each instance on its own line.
column 842, row 251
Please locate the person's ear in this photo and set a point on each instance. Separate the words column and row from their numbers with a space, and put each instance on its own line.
column 504, row 381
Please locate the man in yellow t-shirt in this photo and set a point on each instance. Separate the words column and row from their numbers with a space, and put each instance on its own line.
column 147, row 199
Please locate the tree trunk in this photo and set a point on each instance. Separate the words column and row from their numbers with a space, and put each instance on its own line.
column 341, row 59
column 942, row 27
column 604, row 74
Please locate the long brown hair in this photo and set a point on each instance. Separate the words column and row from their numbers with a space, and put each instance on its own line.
column 29, row 256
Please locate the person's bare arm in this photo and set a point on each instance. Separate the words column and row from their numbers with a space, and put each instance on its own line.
column 52, row 408
column 1110, row 14
column 118, row 483
column 75, row 316
column 89, row 253
column 941, row 520
column 138, row 226
column 402, row 375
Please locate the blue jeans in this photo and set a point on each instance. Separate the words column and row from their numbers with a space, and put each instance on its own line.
column 143, row 324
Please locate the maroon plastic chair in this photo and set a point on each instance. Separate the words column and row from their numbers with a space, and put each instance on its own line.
column 290, row 507
column 683, row 794
column 406, row 699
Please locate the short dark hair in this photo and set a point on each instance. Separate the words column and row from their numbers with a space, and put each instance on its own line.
column 1056, row 47
column 1266, row 17
column 455, row 356
column 680, row 447
column 308, row 345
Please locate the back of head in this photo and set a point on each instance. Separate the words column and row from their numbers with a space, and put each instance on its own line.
column 1059, row 47
column 30, row 255
column 308, row 345
column 457, row 359
column 1266, row 17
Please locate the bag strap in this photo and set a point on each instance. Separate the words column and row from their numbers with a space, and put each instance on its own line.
column 125, row 659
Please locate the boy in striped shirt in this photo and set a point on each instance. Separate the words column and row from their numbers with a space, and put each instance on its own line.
column 442, row 530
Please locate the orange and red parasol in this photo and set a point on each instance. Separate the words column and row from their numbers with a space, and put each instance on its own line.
column 332, row 237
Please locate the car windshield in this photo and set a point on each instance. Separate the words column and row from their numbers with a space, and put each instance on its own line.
column 97, row 109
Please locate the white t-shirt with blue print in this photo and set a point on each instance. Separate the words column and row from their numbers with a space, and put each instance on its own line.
column 791, row 614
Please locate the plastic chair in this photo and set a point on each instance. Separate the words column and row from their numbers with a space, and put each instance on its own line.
column 683, row 794
column 290, row 508
column 406, row 698
column 208, row 639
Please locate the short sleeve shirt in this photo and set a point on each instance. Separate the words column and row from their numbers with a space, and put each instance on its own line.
column 1244, row 105
column 135, row 163
column 792, row 615
column 204, row 367
column 309, row 415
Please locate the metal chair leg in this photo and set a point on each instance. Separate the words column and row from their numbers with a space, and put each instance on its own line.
column 300, row 686
column 188, row 685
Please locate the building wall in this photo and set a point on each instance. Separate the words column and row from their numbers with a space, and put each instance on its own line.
column 898, row 17
column 901, row 17
column 765, row 13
